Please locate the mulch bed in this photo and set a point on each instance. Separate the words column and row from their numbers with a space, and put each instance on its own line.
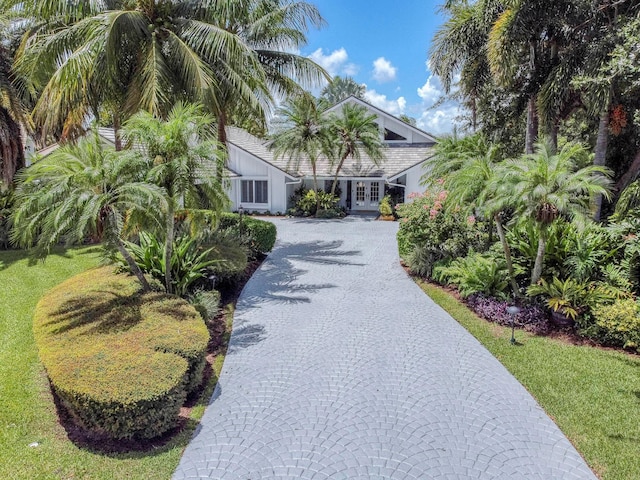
column 219, row 337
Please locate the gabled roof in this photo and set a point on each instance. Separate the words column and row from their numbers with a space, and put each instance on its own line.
column 379, row 111
column 399, row 158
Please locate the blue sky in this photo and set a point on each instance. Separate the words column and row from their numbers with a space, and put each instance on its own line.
column 384, row 45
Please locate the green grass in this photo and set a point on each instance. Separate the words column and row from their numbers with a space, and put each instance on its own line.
column 27, row 412
column 592, row 394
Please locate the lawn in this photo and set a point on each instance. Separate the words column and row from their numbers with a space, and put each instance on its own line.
column 27, row 412
column 592, row 394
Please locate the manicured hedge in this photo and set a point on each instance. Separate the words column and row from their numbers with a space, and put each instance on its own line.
column 121, row 361
column 263, row 234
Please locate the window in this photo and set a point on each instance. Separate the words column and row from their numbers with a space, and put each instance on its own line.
column 390, row 135
column 255, row 191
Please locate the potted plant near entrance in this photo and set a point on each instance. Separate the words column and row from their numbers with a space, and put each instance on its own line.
column 386, row 212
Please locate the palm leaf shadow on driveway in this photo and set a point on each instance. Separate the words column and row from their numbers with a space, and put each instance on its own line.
column 277, row 282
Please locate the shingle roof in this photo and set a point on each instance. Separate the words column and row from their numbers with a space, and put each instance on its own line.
column 398, row 158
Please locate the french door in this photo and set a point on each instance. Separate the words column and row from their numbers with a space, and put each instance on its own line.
column 366, row 194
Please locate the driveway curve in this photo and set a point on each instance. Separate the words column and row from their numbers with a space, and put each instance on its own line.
column 340, row 367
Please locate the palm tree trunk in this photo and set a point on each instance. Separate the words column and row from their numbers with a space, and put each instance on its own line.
column 335, row 177
column 168, row 247
column 315, row 186
column 600, row 157
column 133, row 266
column 532, row 125
column 536, row 274
column 507, row 255
column 116, row 131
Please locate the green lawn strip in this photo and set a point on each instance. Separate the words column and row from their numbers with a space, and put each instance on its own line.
column 27, row 412
column 592, row 394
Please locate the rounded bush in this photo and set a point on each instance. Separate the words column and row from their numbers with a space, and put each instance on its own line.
column 262, row 233
column 121, row 361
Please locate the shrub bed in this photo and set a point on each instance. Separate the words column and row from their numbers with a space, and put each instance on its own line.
column 121, row 361
column 262, row 233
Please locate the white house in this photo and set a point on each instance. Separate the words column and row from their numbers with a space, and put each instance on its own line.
column 262, row 182
column 259, row 181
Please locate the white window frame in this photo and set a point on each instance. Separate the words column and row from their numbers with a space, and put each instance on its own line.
column 253, row 192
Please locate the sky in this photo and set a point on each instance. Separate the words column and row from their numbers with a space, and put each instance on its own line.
column 384, row 44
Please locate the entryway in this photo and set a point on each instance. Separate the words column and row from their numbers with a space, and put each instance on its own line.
column 366, row 194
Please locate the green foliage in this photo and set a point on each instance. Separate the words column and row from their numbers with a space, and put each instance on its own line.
column 436, row 232
column 475, row 273
column 307, row 204
column 570, row 297
column 189, row 261
column 122, row 361
column 6, row 204
column 385, row 206
column 206, row 302
column 260, row 233
column 616, row 324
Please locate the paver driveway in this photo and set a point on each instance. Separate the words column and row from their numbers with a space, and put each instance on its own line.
column 340, row 367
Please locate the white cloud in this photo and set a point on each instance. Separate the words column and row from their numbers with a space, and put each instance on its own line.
column 351, row 69
column 333, row 62
column 440, row 120
column 431, row 91
column 394, row 107
column 383, row 71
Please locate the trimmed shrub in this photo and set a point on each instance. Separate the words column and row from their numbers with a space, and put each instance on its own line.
column 121, row 361
column 262, row 234
column 617, row 324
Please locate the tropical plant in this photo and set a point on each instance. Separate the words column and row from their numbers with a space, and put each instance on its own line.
column 85, row 190
column 302, row 135
column 549, row 184
column 475, row 273
column 385, row 206
column 189, row 261
column 354, row 132
column 320, row 199
column 187, row 165
column 141, row 55
column 570, row 297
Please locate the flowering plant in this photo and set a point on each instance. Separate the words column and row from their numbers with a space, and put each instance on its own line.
column 439, row 230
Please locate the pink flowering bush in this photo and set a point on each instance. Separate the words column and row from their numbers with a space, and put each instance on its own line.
column 431, row 231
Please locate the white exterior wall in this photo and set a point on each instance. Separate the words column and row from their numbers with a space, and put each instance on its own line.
column 250, row 168
column 413, row 176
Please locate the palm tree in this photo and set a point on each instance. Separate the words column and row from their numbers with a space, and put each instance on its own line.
column 12, row 111
column 187, row 160
column 138, row 55
column 341, row 88
column 271, row 30
column 83, row 190
column 469, row 170
column 548, row 184
column 302, row 136
column 354, row 132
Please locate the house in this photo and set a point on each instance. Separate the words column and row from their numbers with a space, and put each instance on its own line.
column 259, row 181
column 263, row 182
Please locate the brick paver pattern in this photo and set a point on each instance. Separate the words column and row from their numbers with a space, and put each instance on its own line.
column 340, row 367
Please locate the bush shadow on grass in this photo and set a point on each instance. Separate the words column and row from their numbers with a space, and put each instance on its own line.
column 9, row 257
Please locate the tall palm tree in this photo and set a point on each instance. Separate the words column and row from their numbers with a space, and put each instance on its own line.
column 272, row 31
column 83, row 190
column 187, row 160
column 13, row 114
column 549, row 184
column 354, row 132
column 302, row 135
column 340, row 88
column 137, row 55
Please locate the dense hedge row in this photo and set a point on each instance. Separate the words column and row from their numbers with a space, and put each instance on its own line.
column 121, row 361
column 262, row 233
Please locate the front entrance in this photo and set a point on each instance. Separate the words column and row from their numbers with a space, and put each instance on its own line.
column 366, row 194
